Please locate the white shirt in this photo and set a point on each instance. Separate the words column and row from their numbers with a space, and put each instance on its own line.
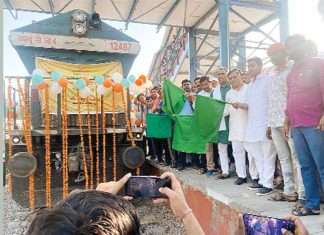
column 277, row 97
column 237, row 117
column 257, row 100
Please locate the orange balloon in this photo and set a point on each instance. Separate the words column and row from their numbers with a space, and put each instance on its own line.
column 117, row 88
column 42, row 86
column 108, row 83
column 138, row 122
column 142, row 77
column 87, row 80
column 139, row 82
column 63, row 82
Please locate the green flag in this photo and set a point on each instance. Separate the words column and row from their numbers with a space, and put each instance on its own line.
column 207, row 118
column 184, row 138
column 158, row 126
column 173, row 98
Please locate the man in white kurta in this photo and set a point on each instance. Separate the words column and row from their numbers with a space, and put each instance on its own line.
column 259, row 147
column 237, row 126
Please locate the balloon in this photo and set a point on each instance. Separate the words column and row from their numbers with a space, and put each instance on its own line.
column 125, row 83
column 131, row 78
column 55, row 88
column 117, row 88
column 86, row 92
column 37, row 79
column 38, row 71
column 117, row 77
column 108, row 83
column 42, row 86
column 80, row 84
column 142, row 77
column 56, row 75
column 99, row 79
column 139, row 82
column 101, row 90
column 63, row 82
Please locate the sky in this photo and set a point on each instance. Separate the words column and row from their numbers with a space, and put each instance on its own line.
column 304, row 19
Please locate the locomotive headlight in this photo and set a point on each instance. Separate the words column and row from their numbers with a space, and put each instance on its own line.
column 15, row 139
column 138, row 136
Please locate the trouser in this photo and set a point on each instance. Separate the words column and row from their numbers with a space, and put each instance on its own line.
column 210, row 157
column 285, row 158
column 160, row 145
column 239, row 157
column 264, row 155
column 223, row 156
column 309, row 145
column 181, row 159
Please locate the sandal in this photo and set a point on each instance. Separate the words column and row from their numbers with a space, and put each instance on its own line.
column 303, row 211
column 278, row 197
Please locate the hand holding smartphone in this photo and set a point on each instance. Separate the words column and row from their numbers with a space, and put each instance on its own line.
column 262, row 225
column 146, row 186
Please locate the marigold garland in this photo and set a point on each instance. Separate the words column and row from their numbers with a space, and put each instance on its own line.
column 25, row 108
column 90, row 144
column 65, row 172
column 129, row 129
column 97, row 140
column 104, row 161
column 114, row 137
column 84, row 159
column 47, row 150
column 10, row 128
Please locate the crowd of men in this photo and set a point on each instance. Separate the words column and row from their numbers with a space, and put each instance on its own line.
column 272, row 127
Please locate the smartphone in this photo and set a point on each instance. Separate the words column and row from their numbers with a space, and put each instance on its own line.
column 262, row 225
column 146, row 186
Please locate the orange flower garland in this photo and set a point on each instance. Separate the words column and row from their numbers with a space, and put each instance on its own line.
column 114, row 137
column 24, row 103
column 65, row 172
column 10, row 127
column 90, row 144
column 84, row 159
column 129, row 129
column 104, row 162
column 97, row 140
column 47, row 150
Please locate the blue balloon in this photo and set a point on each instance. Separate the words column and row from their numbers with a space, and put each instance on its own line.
column 37, row 79
column 125, row 83
column 131, row 78
column 56, row 75
column 99, row 79
column 80, row 84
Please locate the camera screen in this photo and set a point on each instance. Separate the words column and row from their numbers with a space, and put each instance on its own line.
column 143, row 187
column 259, row 225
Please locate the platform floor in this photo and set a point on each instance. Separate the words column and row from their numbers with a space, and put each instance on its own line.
column 241, row 198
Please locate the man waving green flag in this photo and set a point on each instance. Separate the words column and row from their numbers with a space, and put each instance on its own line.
column 173, row 98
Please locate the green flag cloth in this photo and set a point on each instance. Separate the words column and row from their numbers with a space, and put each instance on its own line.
column 207, row 118
column 184, row 137
column 173, row 98
column 158, row 126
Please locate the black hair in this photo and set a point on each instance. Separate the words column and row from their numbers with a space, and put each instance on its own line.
column 256, row 60
column 233, row 71
column 87, row 213
column 185, row 81
column 139, row 95
column 204, row 78
column 197, row 79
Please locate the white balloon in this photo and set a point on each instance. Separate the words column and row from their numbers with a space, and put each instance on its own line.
column 86, row 92
column 55, row 88
column 101, row 90
column 117, row 77
column 38, row 71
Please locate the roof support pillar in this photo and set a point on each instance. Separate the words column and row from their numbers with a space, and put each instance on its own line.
column 223, row 10
column 192, row 54
column 284, row 20
column 242, row 54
